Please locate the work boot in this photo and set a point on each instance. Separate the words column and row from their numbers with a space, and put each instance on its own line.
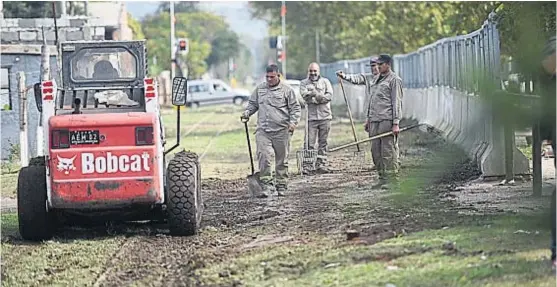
column 391, row 181
column 323, row 169
column 382, row 182
column 266, row 190
column 281, row 190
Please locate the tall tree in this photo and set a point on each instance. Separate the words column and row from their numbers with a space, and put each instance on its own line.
column 39, row 9
column 203, row 30
column 351, row 30
column 225, row 45
column 135, row 26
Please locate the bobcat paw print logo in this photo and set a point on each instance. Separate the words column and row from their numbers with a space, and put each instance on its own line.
column 65, row 164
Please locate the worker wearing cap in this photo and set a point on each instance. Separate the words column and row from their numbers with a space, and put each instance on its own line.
column 278, row 115
column 317, row 92
column 384, row 112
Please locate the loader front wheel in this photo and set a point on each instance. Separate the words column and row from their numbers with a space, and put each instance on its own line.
column 184, row 203
column 35, row 221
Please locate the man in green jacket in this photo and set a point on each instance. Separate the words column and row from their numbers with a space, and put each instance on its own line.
column 278, row 115
column 384, row 112
column 317, row 92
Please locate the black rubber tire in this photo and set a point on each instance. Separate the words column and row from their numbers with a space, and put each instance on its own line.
column 184, row 204
column 238, row 100
column 35, row 222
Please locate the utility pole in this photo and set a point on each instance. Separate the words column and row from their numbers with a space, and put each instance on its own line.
column 172, row 43
column 283, row 16
column 317, row 54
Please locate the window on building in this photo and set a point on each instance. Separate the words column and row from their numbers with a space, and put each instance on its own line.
column 5, row 92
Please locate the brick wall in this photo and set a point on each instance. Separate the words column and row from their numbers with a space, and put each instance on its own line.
column 29, row 31
column 20, row 39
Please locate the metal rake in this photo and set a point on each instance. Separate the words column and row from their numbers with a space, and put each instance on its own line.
column 306, row 156
column 358, row 159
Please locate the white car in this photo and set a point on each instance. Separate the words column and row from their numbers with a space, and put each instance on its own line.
column 214, row 91
column 295, row 84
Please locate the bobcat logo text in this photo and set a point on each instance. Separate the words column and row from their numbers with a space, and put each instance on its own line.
column 114, row 163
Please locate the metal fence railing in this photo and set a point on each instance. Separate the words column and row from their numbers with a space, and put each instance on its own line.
column 457, row 62
column 442, row 82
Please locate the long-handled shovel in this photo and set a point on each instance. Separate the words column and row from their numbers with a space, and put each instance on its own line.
column 372, row 138
column 254, row 183
column 359, row 155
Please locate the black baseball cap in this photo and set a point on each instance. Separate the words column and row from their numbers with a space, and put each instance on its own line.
column 384, row 58
column 372, row 61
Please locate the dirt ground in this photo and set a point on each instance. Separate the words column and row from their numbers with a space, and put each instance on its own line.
column 262, row 242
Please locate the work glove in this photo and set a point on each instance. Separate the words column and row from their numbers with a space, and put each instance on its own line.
column 366, row 126
column 396, row 129
column 291, row 128
column 319, row 98
column 245, row 116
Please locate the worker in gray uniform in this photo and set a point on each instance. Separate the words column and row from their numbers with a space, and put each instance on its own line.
column 383, row 115
column 317, row 92
column 278, row 115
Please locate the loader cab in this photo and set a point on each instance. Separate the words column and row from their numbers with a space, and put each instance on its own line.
column 106, row 77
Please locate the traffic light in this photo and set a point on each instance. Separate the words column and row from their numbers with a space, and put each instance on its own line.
column 281, row 55
column 183, row 45
column 273, row 42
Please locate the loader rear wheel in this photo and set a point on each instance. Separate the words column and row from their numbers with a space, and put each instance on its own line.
column 184, row 202
column 35, row 221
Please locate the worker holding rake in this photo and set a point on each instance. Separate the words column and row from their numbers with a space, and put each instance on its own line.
column 384, row 112
column 278, row 115
column 317, row 92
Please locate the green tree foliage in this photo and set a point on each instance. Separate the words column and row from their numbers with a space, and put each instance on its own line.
column 524, row 28
column 351, row 30
column 226, row 44
column 135, row 26
column 39, row 9
column 204, row 31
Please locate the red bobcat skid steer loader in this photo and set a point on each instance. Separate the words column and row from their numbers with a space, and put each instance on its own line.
column 106, row 146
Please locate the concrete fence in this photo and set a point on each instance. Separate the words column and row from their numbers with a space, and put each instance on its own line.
column 441, row 83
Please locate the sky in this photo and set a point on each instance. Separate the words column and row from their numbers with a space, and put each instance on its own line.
column 236, row 14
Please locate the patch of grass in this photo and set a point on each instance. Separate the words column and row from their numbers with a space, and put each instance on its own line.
column 60, row 262
column 10, row 167
column 8, row 185
column 489, row 254
column 226, row 155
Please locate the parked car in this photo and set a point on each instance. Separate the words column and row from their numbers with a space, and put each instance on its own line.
column 214, row 91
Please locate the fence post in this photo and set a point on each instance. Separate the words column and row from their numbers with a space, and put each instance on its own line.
column 537, row 159
column 45, row 76
column 509, row 145
column 23, row 146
